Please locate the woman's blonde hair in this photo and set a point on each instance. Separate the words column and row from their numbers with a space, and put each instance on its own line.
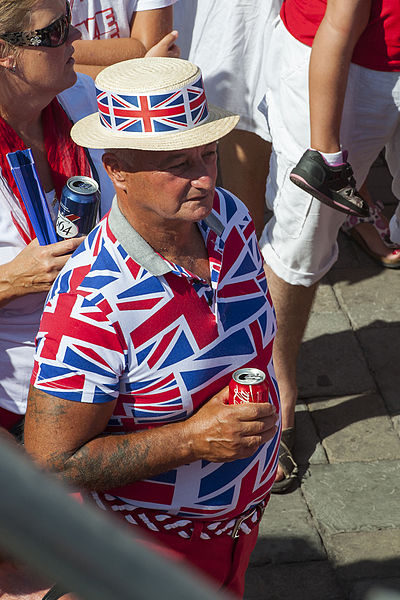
column 15, row 15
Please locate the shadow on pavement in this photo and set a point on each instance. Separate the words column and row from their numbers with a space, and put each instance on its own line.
column 305, row 579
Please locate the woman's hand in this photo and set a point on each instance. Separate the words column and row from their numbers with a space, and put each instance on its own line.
column 34, row 269
column 166, row 46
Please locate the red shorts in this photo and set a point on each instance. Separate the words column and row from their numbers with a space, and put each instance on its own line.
column 219, row 549
column 224, row 560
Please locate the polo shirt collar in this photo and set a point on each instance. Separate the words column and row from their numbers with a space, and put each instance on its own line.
column 137, row 247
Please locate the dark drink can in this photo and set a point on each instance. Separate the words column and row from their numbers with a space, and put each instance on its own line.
column 79, row 204
column 248, row 385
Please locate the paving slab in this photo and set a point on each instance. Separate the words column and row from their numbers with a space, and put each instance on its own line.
column 308, row 448
column 301, row 581
column 355, row 428
column 382, row 349
column 361, row 296
column 327, row 321
column 349, row 497
column 331, row 363
column 287, row 532
column 365, row 554
column 325, row 300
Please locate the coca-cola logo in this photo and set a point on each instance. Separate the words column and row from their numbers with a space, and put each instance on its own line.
column 240, row 396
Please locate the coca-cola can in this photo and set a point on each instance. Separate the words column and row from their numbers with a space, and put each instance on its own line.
column 248, row 385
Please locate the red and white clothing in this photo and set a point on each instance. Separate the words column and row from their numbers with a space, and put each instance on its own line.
column 162, row 341
column 19, row 319
column 299, row 242
column 103, row 19
column 379, row 45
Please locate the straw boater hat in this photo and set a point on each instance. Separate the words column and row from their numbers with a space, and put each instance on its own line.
column 152, row 104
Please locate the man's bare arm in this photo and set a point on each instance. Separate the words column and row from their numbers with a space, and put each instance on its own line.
column 67, row 438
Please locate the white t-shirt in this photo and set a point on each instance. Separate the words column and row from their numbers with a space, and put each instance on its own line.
column 19, row 319
column 228, row 40
column 103, row 19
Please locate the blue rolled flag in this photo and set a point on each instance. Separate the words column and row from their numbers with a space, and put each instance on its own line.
column 24, row 171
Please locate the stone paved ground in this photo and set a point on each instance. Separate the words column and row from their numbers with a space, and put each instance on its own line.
column 337, row 535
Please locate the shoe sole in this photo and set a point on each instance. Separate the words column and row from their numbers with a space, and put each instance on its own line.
column 302, row 183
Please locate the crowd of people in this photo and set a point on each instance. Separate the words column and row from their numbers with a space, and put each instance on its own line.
column 116, row 350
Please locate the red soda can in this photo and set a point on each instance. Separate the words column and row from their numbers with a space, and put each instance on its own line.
column 248, row 385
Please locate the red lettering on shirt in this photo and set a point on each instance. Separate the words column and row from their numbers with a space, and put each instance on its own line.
column 102, row 25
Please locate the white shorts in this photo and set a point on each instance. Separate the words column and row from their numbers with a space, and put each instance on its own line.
column 299, row 242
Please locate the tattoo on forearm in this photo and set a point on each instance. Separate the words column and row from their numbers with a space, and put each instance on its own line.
column 87, row 457
column 96, row 467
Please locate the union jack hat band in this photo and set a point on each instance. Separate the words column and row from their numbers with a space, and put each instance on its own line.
column 152, row 104
column 176, row 110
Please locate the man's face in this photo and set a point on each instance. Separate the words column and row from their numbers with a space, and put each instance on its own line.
column 164, row 186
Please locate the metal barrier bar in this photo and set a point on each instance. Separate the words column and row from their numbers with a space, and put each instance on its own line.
column 79, row 548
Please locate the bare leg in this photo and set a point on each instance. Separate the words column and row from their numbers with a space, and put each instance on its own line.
column 292, row 304
column 244, row 160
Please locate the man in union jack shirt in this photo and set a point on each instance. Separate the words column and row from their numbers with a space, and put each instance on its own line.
column 143, row 328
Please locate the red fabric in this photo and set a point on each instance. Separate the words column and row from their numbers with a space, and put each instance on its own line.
column 223, row 560
column 65, row 158
column 378, row 47
column 8, row 419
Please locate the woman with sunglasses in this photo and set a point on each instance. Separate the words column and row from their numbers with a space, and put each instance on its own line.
column 40, row 98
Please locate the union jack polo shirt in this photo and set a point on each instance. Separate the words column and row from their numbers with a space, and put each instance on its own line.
column 122, row 322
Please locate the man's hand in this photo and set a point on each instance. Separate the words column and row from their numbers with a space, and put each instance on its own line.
column 166, row 47
column 34, row 269
column 219, row 432
column 67, row 437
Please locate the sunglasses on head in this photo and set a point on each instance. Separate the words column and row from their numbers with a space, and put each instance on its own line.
column 51, row 36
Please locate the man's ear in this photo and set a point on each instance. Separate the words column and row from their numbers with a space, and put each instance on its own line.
column 114, row 168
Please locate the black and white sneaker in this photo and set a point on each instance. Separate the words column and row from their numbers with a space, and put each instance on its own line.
column 334, row 186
